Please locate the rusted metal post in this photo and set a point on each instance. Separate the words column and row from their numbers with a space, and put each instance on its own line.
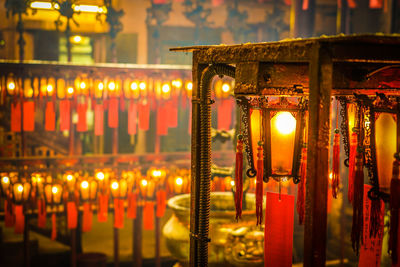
column 318, row 156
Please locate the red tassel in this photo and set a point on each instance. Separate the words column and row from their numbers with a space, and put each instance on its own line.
column 148, row 215
column 103, row 208
column 173, row 113
column 162, row 120
column 335, row 164
column 98, row 119
column 41, row 205
column 132, row 118
column 301, row 187
column 119, row 211
column 356, row 231
column 113, row 113
column 87, row 217
column 259, row 185
column 81, row 110
column 239, row 177
column 161, row 197
column 16, row 117
column 132, row 206
column 19, row 219
column 65, row 113
column 72, row 215
column 144, row 115
column 352, row 160
column 9, row 218
column 53, row 226
column 50, row 117
column 29, row 116
column 394, row 235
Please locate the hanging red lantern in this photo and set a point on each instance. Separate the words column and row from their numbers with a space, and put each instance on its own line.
column 21, row 192
column 53, row 193
column 88, row 195
column 119, row 191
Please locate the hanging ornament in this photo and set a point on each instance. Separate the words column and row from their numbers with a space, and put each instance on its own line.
column 260, row 184
column 239, row 177
column 352, row 161
column 335, row 163
column 356, row 230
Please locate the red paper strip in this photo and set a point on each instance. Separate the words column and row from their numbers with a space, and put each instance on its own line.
column 72, row 215
column 159, row 2
column 371, row 248
column 103, row 208
column 29, row 116
column 8, row 214
column 144, row 115
column 225, row 114
column 132, row 118
column 113, row 112
column 217, row 2
column 161, row 197
column 98, row 119
column 278, row 233
column 304, row 5
column 375, row 4
column 16, row 117
column 53, row 226
column 162, row 121
column 19, row 219
column 119, row 213
column 65, row 113
column 148, row 215
column 87, row 217
column 82, row 124
column 172, row 114
column 132, row 206
column 50, row 117
column 329, row 201
column 41, row 205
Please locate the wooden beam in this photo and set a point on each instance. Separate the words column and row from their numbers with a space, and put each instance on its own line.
column 318, row 157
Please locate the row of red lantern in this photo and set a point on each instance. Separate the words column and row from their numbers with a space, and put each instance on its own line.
column 130, row 190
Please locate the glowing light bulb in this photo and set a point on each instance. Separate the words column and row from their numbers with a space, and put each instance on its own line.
column 189, row 86
column 20, row 188
column 39, row 179
column 166, row 88
column 330, row 176
column 100, row 176
column 85, row 184
column 226, row 87
column 77, row 39
column 50, row 88
column 156, row 173
column 70, row 90
column 69, row 177
column 115, row 185
column 111, row 86
column 285, row 122
column 144, row 182
column 142, row 85
column 11, row 85
column 54, row 189
column 100, row 86
column 232, row 183
column 134, row 86
column 5, row 180
column 179, row 181
column 83, row 85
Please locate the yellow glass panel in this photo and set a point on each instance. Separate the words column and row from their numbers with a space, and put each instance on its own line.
column 283, row 131
column 255, row 126
column 351, row 113
column 385, row 138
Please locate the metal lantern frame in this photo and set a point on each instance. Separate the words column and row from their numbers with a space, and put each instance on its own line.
column 317, row 68
column 368, row 108
column 269, row 110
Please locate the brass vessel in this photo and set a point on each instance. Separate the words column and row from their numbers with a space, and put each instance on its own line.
column 233, row 243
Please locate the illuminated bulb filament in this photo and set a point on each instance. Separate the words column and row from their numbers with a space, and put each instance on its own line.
column 166, row 88
column 70, row 90
column 114, row 185
column 232, row 183
column 285, row 122
column 142, row 85
column 100, row 86
column 69, row 177
column 83, row 85
column 100, row 175
column 20, row 188
column 111, row 86
column 84, row 184
column 156, row 173
column 134, row 86
column 5, row 180
column 11, row 86
column 144, row 182
column 49, row 88
column 179, row 181
column 77, row 39
column 54, row 190
column 189, row 86
column 225, row 88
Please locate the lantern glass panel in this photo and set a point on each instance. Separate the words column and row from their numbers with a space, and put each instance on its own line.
column 255, row 124
column 283, row 132
column 385, row 140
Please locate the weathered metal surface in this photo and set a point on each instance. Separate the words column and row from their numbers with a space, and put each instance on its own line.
column 317, row 158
